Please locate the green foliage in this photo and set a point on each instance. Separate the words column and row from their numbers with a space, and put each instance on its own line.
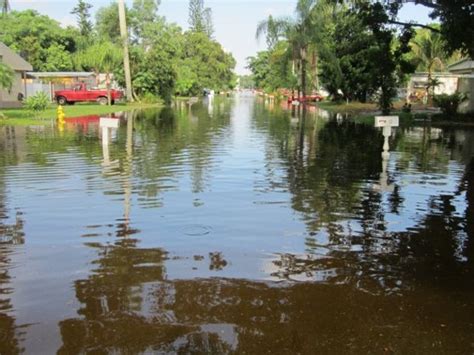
column 6, row 76
column 5, row 6
column 187, row 80
column 246, row 82
column 108, row 24
column 37, row 103
column 149, row 98
column 449, row 104
column 212, row 66
column 57, row 59
column 100, row 57
column 270, row 70
column 457, row 24
column 82, row 12
column 200, row 18
column 32, row 35
column 142, row 15
column 390, row 60
column 164, row 60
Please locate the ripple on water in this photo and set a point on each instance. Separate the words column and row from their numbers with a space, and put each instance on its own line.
column 196, row 230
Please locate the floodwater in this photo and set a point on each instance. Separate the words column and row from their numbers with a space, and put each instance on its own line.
column 235, row 227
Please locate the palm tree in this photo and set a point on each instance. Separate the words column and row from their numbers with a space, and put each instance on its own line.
column 429, row 49
column 5, row 6
column 298, row 34
column 102, row 57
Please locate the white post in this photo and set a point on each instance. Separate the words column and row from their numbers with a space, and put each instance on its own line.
column 387, row 132
column 386, row 123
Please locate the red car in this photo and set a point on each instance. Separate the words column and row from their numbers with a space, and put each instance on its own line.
column 80, row 93
column 307, row 98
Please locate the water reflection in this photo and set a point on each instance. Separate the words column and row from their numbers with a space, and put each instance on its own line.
column 11, row 234
column 236, row 226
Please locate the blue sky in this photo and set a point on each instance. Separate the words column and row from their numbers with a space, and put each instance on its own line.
column 234, row 21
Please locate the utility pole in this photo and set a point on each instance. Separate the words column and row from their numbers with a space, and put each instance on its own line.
column 126, row 56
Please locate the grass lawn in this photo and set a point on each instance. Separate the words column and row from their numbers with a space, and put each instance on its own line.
column 364, row 108
column 24, row 117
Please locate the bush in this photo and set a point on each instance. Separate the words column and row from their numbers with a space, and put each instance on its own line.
column 449, row 104
column 37, row 103
column 149, row 98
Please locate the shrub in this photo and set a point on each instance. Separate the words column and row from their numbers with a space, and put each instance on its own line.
column 37, row 103
column 149, row 98
column 449, row 104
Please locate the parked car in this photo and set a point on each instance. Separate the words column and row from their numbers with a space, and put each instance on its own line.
column 307, row 98
column 81, row 93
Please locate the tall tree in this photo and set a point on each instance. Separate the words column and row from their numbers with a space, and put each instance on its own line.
column 376, row 19
column 102, row 57
column 200, row 18
column 5, row 6
column 429, row 49
column 82, row 12
column 108, row 23
column 31, row 35
column 456, row 18
column 298, row 34
column 126, row 54
column 142, row 15
column 196, row 21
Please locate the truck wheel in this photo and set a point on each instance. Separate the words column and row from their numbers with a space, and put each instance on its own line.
column 62, row 101
column 102, row 101
column 112, row 102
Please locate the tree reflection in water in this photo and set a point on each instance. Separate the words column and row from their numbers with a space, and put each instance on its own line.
column 380, row 270
column 11, row 234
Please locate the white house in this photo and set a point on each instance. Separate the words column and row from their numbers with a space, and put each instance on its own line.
column 10, row 98
column 464, row 69
column 459, row 78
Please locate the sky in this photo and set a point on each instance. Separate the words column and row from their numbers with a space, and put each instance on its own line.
column 235, row 21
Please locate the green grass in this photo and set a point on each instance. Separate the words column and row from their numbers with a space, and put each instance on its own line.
column 351, row 107
column 24, row 117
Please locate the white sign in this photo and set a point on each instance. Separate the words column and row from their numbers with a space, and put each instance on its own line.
column 387, row 121
column 106, row 122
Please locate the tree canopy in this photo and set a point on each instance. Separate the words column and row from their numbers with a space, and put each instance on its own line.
column 357, row 50
column 165, row 60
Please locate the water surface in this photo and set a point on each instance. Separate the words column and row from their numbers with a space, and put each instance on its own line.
column 235, row 227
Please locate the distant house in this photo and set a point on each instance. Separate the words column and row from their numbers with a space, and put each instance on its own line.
column 11, row 98
column 459, row 78
column 464, row 69
column 48, row 82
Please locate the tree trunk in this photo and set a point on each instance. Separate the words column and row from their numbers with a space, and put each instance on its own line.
column 126, row 56
column 314, row 69
column 303, row 71
column 428, row 87
column 303, row 77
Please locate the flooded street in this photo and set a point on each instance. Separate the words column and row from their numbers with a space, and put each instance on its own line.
column 235, row 227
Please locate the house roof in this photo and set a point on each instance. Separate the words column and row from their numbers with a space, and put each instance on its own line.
column 464, row 65
column 59, row 74
column 13, row 60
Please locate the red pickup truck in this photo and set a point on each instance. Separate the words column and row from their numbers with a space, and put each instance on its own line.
column 80, row 93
